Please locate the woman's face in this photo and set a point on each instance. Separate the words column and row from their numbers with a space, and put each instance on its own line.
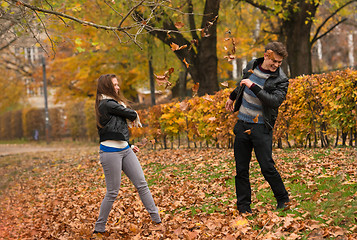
column 116, row 85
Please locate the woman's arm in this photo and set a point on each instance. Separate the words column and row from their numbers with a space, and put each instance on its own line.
column 117, row 109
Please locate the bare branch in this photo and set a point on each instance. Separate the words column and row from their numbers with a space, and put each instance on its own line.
column 128, row 14
column 44, row 27
column 113, row 8
column 83, row 22
column 257, row 5
column 8, row 44
column 315, row 38
column 325, row 33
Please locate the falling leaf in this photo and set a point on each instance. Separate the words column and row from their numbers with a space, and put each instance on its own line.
column 270, row 54
column 194, row 41
column 183, row 106
column 168, row 34
column 207, row 97
column 142, row 143
column 255, row 120
column 249, row 131
column 195, row 88
column 164, row 79
column 230, row 57
column 179, row 25
column 251, row 71
column 152, row 141
column 186, row 63
column 225, row 84
column 175, row 47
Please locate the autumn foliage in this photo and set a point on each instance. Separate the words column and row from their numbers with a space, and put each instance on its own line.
column 316, row 107
column 317, row 110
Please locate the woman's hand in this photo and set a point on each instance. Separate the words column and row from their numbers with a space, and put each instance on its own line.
column 135, row 148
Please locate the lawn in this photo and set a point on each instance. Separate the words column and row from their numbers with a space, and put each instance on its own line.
column 57, row 195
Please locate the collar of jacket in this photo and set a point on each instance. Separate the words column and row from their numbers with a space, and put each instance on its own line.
column 260, row 61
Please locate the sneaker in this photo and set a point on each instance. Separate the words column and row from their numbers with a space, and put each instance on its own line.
column 106, row 234
column 282, row 205
column 244, row 209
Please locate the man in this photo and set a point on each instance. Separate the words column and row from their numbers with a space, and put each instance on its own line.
column 257, row 98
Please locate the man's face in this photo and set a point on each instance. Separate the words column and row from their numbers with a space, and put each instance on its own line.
column 272, row 61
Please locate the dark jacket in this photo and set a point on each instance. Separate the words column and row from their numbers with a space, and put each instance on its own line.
column 271, row 95
column 113, row 119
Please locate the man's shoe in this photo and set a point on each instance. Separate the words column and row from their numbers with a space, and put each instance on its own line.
column 106, row 234
column 244, row 209
column 282, row 205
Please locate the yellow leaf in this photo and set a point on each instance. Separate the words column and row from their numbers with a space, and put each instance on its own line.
column 240, row 222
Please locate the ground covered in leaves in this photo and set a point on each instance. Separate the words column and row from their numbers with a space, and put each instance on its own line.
column 57, row 195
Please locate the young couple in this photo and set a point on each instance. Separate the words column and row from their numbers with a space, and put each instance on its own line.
column 257, row 99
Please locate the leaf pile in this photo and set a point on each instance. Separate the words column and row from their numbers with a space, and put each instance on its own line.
column 57, row 195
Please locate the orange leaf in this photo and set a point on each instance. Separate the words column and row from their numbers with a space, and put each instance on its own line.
column 230, row 57
column 179, row 24
column 174, row 46
column 195, row 88
column 251, row 71
column 186, row 63
column 255, row 120
column 270, row 54
column 249, row 131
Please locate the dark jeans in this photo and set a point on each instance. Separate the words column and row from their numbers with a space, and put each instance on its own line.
column 251, row 136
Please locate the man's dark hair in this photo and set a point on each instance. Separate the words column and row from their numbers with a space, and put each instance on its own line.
column 278, row 48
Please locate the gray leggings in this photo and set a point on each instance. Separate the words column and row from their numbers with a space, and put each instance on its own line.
column 113, row 163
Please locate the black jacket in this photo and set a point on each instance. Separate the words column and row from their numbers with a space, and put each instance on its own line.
column 271, row 95
column 113, row 119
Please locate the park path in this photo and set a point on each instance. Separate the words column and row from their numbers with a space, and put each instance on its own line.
column 9, row 149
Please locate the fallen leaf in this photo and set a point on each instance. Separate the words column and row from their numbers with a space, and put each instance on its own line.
column 255, row 120
column 249, row 131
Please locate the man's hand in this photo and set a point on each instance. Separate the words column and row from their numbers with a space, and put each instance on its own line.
column 229, row 105
column 246, row 82
column 135, row 148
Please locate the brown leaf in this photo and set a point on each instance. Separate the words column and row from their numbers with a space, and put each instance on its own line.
column 174, row 46
column 270, row 54
column 186, row 63
column 207, row 97
column 225, row 84
column 179, row 25
column 142, row 143
column 255, row 120
column 249, row 131
column 230, row 57
column 195, row 88
column 183, row 106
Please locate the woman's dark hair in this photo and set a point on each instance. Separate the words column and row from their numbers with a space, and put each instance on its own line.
column 278, row 48
column 105, row 87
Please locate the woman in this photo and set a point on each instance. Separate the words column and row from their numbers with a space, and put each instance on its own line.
column 115, row 153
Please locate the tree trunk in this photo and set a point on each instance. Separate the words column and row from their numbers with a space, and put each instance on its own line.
column 203, row 61
column 297, row 33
